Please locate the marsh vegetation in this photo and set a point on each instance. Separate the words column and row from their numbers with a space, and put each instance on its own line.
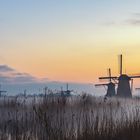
column 74, row 118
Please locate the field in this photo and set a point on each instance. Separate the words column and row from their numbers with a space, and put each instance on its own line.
column 69, row 118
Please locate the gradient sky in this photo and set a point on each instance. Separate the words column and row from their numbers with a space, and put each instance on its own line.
column 70, row 40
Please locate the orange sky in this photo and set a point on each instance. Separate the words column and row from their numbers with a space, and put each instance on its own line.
column 70, row 45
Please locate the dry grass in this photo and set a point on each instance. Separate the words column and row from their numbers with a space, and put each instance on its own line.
column 73, row 118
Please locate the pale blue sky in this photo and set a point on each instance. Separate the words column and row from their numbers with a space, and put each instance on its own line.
column 22, row 17
column 28, row 17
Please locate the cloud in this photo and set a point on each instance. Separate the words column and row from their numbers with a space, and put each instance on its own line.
column 5, row 68
column 5, row 79
column 24, row 78
column 136, row 14
column 135, row 22
column 109, row 23
column 132, row 20
column 10, row 75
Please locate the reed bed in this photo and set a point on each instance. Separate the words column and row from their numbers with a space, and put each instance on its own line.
column 69, row 118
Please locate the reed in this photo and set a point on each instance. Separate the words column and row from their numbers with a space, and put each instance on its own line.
column 74, row 118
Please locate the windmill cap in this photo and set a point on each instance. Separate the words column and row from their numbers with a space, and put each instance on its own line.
column 112, row 84
column 124, row 77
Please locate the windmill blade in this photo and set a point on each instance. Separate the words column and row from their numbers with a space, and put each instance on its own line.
column 136, row 76
column 120, row 64
column 99, row 85
column 71, row 90
column 3, row 91
column 102, row 85
column 109, row 74
column 102, row 78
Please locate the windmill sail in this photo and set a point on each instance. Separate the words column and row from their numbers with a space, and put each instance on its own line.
column 110, row 85
column 120, row 64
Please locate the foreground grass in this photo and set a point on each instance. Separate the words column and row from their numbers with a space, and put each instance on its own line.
column 73, row 118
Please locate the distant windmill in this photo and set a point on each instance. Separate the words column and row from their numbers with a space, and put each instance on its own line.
column 110, row 85
column 2, row 91
column 66, row 92
column 124, row 88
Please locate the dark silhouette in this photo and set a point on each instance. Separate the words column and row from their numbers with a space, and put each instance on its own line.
column 66, row 92
column 124, row 88
column 110, row 85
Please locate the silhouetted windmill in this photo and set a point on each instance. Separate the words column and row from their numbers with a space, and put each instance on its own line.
column 110, row 85
column 66, row 92
column 124, row 88
column 2, row 91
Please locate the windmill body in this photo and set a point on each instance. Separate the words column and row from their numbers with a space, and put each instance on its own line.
column 110, row 86
column 110, row 90
column 66, row 92
column 124, row 81
column 124, row 89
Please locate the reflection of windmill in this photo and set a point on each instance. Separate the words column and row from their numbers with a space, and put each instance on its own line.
column 124, row 88
column 2, row 91
column 110, row 85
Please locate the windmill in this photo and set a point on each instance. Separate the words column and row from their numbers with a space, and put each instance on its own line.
column 125, row 85
column 2, row 91
column 110, row 85
column 67, row 91
column 125, row 82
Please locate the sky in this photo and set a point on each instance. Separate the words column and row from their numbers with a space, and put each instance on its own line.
column 68, row 40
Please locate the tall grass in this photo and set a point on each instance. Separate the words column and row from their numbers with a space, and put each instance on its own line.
column 74, row 118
